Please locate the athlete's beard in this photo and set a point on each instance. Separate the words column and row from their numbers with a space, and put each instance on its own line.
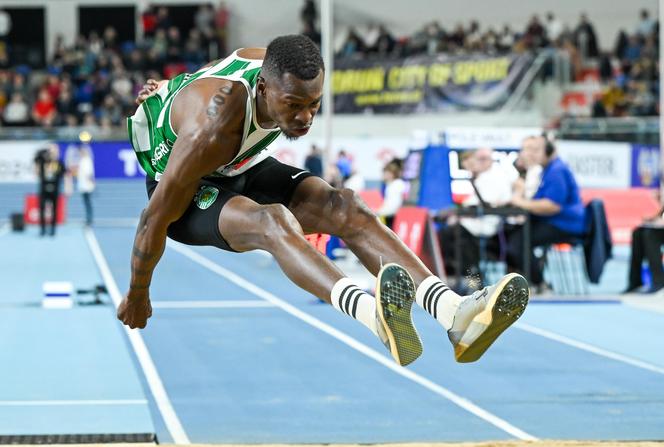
column 288, row 135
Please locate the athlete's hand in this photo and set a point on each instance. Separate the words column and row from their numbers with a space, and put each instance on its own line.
column 149, row 88
column 135, row 310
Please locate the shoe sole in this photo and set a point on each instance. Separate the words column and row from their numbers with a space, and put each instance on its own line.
column 504, row 307
column 395, row 292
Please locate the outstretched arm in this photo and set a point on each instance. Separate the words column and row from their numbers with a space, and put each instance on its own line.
column 206, row 141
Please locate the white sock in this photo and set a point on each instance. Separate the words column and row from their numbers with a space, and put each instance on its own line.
column 439, row 300
column 355, row 302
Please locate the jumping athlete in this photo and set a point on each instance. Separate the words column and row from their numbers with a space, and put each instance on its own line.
column 203, row 139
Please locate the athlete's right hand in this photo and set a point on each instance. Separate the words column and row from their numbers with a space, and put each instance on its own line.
column 134, row 310
column 148, row 90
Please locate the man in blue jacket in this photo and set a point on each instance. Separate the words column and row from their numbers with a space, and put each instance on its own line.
column 556, row 211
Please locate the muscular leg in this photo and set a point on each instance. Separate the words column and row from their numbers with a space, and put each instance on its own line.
column 319, row 208
column 246, row 225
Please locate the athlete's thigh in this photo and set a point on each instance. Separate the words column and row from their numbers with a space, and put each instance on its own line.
column 199, row 225
column 314, row 205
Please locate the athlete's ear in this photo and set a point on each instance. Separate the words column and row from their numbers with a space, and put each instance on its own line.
column 260, row 86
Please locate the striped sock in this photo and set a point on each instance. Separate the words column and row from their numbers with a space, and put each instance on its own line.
column 438, row 299
column 355, row 302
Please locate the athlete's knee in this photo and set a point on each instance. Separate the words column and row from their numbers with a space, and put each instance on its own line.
column 274, row 225
column 350, row 214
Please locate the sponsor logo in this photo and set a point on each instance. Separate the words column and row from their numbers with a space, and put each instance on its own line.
column 206, row 197
column 297, row 175
column 161, row 151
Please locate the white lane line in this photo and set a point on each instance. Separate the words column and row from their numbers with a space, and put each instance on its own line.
column 65, row 403
column 346, row 339
column 210, row 304
column 144, row 358
column 589, row 348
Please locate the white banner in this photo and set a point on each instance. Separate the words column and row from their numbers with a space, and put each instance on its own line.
column 17, row 160
column 368, row 155
column 493, row 137
column 598, row 164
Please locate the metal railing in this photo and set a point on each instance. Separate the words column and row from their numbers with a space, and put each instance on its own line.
column 630, row 129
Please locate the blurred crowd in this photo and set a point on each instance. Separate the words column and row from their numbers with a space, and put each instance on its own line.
column 629, row 74
column 93, row 83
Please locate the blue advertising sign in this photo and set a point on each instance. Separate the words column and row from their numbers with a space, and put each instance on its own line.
column 646, row 168
column 112, row 159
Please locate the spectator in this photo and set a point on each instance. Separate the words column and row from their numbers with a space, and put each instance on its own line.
column 344, row 164
column 309, row 14
column 204, row 22
column 85, row 177
column 585, row 38
column 492, row 186
column 50, row 171
column 633, row 49
column 646, row 25
column 163, row 20
column 19, row 85
column 621, row 44
column 65, row 105
column 314, row 161
column 535, row 35
column 554, row 27
column 353, row 44
column 149, row 22
column 174, row 49
column 557, row 213
column 385, row 43
column 221, row 19
column 17, row 112
column 395, row 188
column 44, row 111
column 647, row 240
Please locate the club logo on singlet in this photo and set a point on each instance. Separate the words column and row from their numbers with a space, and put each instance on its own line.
column 206, row 197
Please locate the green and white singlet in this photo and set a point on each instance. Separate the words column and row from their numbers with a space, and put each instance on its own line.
column 152, row 135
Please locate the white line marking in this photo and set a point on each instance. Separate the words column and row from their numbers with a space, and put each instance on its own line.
column 154, row 381
column 48, row 403
column 589, row 348
column 4, row 229
column 346, row 339
column 210, row 304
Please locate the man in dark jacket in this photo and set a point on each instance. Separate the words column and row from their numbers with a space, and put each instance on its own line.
column 49, row 172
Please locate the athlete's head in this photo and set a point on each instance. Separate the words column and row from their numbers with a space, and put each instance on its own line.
column 291, row 82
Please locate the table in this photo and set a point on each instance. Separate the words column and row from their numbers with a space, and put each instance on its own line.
column 478, row 211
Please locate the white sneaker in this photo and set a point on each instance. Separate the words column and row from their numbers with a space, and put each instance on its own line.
column 484, row 315
column 395, row 294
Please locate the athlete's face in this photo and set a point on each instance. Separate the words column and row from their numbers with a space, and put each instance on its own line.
column 292, row 103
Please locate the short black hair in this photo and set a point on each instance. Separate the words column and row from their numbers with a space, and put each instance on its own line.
column 295, row 54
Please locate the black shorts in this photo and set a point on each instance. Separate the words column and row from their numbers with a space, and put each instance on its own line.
column 268, row 182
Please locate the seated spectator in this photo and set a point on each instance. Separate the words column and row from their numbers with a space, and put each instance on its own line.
column 492, row 186
column 556, row 212
column 395, row 188
column 17, row 112
column 647, row 240
column 44, row 111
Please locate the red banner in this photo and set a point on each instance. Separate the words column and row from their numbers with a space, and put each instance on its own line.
column 31, row 210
